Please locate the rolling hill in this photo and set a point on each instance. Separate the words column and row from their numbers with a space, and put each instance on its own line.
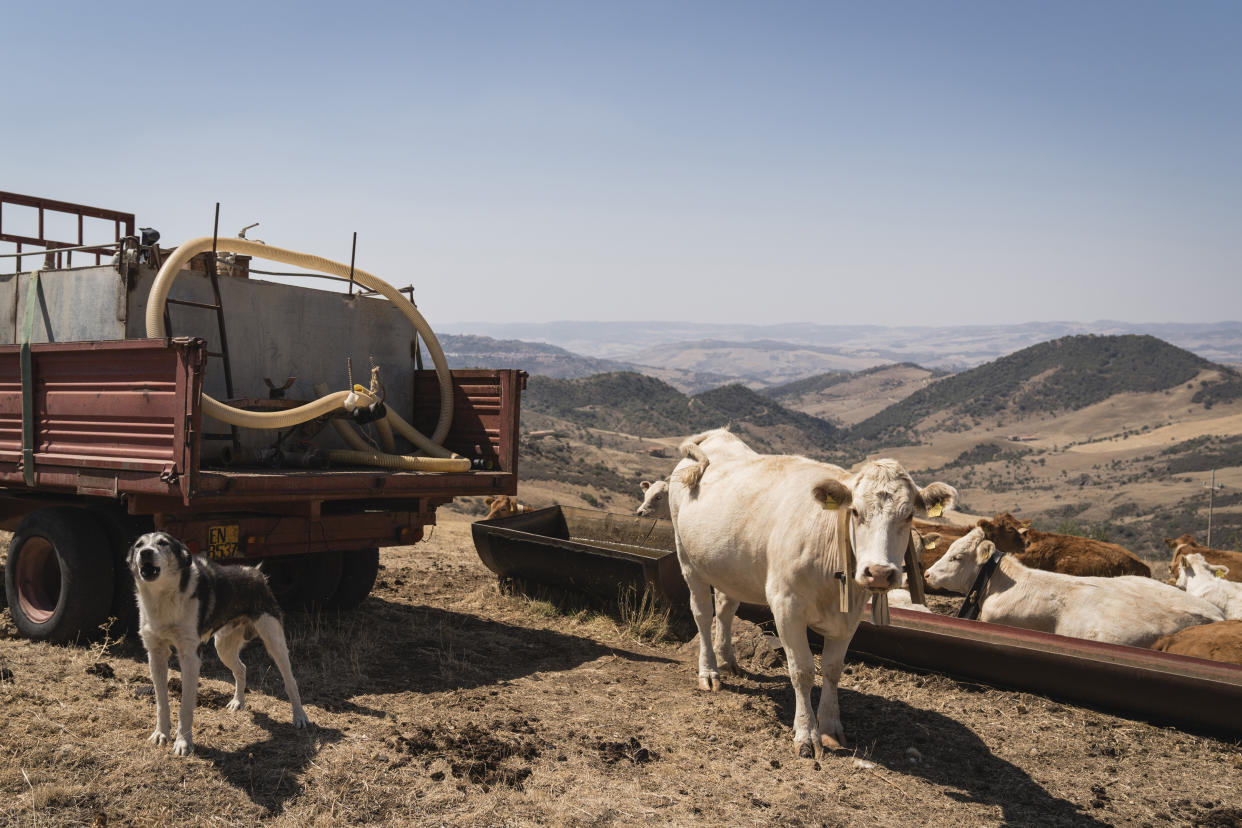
column 848, row 398
column 1064, row 374
column 643, row 406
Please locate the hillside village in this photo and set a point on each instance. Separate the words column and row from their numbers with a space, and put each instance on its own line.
column 1114, row 437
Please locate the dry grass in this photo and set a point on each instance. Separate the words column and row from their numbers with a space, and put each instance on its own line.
column 444, row 701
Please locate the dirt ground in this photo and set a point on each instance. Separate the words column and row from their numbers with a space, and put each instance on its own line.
column 445, row 701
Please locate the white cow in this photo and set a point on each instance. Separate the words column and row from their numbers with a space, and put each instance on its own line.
column 655, row 500
column 1207, row 581
column 719, row 442
column 1127, row 609
column 772, row 530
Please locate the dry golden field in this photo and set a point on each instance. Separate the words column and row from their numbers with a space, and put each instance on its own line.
column 444, row 700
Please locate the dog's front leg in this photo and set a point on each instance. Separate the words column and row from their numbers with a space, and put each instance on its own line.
column 157, row 660
column 187, row 655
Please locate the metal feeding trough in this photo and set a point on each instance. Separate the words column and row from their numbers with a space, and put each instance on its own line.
column 601, row 554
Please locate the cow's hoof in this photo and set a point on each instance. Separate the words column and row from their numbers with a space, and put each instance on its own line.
column 709, row 683
column 730, row 667
column 831, row 742
column 804, row 749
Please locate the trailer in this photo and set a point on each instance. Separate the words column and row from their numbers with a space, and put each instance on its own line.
column 104, row 433
column 602, row 555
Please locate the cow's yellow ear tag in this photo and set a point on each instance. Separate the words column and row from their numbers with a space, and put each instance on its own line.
column 1218, row 573
column 829, row 503
column 935, row 511
column 931, row 545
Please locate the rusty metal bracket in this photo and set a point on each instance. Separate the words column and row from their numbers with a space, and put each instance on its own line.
column 27, row 368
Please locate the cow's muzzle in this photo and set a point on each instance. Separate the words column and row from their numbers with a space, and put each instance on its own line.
column 880, row 576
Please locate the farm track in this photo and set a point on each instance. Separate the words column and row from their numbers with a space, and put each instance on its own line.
column 444, row 701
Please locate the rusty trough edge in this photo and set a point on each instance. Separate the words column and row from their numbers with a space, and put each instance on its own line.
column 1160, row 687
column 1167, row 689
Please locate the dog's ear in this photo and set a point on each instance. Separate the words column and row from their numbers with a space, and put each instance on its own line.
column 183, row 553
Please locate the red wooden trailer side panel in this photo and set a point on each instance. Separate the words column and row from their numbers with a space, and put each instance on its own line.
column 109, row 417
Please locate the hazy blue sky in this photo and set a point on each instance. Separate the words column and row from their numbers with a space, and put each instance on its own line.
column 870, row 162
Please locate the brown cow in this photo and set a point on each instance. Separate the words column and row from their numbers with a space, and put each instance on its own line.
column 503, row 506
column 1185, row 545
column 1219, row 641
column 1049, row 551
column 1053, row 552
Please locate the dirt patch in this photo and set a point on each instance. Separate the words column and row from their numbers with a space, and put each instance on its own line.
column 443, row 701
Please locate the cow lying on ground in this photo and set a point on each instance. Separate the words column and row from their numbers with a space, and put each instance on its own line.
column 1221, row 641
column 1185, row 545
column 1049, row 551
column 503, row 506
column 1128, row 609
column 1054, row 552
column 777, row 530
column 1207, row 581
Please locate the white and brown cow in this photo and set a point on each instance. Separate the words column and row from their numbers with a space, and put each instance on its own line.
column 1210, row 582
column 777, row 530
column 1127, row 609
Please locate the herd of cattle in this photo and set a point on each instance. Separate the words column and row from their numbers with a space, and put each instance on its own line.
column 813, row 542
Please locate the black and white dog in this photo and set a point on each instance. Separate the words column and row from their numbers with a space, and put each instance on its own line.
column 185, row 599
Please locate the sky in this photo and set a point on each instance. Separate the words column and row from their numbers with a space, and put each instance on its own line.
column 879, row 162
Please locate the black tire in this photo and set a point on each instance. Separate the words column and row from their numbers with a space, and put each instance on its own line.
column 122, row 530
column 304, row 583
column 59, row 576
column 358, row 572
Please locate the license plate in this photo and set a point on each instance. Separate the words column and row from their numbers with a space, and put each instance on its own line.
column 223, row 541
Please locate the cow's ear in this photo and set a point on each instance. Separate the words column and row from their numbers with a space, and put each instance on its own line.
column 1171, row 543
column 832, row 493
column 645, row 485
column 984, row 551
column 488, row 501
column 1219, row 571
column 930, row 540
column 1022, row 530
column 936, row 498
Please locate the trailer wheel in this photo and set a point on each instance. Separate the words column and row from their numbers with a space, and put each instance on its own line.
column 304, row 583
column 58, row 581
column 358, row 572
column 122, row 530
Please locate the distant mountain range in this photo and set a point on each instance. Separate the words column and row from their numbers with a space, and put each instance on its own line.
column 747, row 352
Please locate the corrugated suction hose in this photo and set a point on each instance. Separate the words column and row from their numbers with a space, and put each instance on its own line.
column 325, row 405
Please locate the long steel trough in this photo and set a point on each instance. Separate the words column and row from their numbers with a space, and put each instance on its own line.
column 599, row 553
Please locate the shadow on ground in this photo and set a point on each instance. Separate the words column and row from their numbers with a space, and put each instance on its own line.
column 269, row 771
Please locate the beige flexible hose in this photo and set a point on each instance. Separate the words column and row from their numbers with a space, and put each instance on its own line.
column 283, row 419
column 362, row 453
column 398, row 461
column 384, row 430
